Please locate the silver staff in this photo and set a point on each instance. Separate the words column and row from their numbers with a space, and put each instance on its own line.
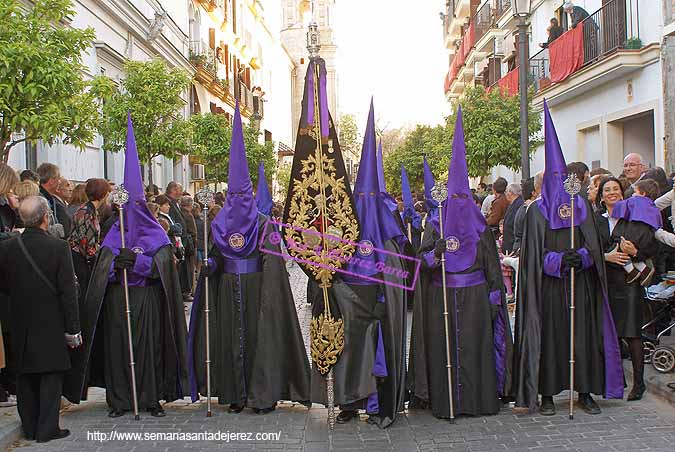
column 572, row 187
column 205, row 198
column 120, row 196
column 440, row 192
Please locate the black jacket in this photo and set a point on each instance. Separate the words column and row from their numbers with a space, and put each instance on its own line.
column 39, row 317
column 509, row 224
column 59, row 210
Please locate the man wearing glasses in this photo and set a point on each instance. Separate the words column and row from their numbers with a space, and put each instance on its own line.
column 634, row 169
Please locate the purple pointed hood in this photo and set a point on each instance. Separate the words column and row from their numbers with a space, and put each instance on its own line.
column 554, row 203
column 143, row 234
column 408, row 202
column 377, row 224
column 463, row 222
column 235, row 228
column 638, row 208
column 263, row 198
column 429, row 183
column 389, row 200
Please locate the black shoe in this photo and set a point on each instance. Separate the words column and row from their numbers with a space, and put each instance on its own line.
column 60, row 434
column 116, row 413
column 234, row 408
column 157, row 412
column 373, row 419
column 346, row 416
column 547, row 407
column 264, row 410
column 637, row 392
column 588, row 404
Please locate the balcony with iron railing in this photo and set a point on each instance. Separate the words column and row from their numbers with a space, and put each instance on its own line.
column 458, row 12
column 611, row 47
column 501, row 6
column 201, row 55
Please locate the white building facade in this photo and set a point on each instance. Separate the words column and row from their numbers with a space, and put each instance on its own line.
column 611, row 106
column 238, row 47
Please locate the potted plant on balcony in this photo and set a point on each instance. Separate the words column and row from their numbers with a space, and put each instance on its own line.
column 197, row 59
column 633, row 44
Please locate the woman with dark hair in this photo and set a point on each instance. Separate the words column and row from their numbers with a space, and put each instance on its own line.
column 85, row 236
column 625, row 299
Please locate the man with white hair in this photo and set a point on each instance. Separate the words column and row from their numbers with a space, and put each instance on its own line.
column 577, row 13
column 514, row 197
column 36, row 272
column 634, row 169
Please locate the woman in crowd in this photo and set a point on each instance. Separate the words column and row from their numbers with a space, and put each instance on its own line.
column 77, row 199
column 85, row 237
column 8, row 205
column 626, row 299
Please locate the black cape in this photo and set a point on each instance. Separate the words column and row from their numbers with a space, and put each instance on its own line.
column 479, row 333
column 627, row 300
column 162, row 307
column 542, row 317
column 258, row 357
column 353, row 373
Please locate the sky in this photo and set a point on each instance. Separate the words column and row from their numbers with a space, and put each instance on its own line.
column 392, row 50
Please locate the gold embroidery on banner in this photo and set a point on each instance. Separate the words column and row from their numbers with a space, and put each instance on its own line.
column 327, row 339
column 321, row 206
column 305, row 210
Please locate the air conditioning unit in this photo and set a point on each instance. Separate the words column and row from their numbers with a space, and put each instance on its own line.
column 197, row 171
column 499, row 46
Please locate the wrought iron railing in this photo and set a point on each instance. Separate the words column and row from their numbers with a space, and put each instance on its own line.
column 201, row 55
column 483, row 20
column 501, row 6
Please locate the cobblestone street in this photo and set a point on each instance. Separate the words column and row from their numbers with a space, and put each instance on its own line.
column 645, row 425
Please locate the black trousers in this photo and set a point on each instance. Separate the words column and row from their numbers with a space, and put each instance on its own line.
column 38, row 400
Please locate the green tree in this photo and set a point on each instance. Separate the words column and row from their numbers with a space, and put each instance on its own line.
column 151, row 92
column 434, row 142
column 348, row 135
column 211, row 138
column 492, row 130
column 42, row 93
column 283, row 179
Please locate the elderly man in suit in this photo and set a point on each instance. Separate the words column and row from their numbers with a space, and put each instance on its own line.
column 36, row 272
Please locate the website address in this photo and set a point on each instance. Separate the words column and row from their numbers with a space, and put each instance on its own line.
column 226, row 437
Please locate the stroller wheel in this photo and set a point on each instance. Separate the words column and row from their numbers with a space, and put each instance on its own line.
column 663, row 359
column 648, row 348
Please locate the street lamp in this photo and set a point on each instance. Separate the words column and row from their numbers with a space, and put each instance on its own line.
column 522, row 10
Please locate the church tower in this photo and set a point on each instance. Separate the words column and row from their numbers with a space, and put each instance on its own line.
column 297, row 14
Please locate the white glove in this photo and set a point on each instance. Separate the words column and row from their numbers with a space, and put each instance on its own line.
column 73, row 340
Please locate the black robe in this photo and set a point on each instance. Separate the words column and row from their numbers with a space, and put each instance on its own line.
column 627, row 300
column 542, row 317
column 353, row 375
column 480, row 337
column 258, row 356
column 158, row 331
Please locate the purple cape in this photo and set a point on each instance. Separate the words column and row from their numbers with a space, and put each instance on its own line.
column 638, row 208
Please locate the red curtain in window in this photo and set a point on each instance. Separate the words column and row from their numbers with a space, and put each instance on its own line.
column 567, row 54
column 509, row 83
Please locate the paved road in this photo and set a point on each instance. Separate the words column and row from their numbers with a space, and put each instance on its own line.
column 646, row 425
